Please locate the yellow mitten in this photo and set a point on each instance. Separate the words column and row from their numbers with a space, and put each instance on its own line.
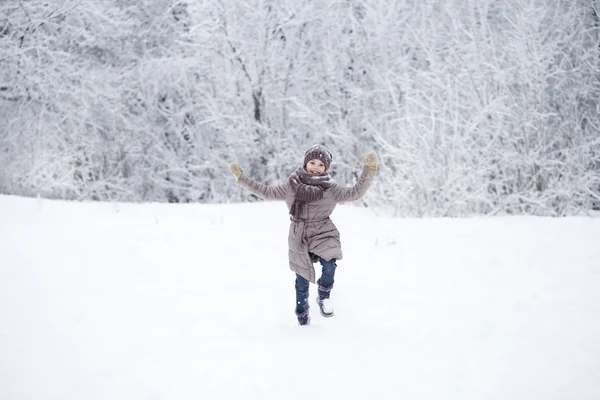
column 235, row 169
column 370, row 160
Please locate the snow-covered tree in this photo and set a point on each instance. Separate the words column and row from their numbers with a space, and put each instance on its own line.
column 473, row 106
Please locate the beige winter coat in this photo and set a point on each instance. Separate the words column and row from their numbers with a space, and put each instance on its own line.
column 314, row 232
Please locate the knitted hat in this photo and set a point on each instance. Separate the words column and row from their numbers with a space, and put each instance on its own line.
column 318, row 152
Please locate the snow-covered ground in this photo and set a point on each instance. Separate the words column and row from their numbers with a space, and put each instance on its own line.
column 162, row 301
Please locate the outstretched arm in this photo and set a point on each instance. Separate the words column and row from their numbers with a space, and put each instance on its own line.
column 260, row 189
column 353, row 193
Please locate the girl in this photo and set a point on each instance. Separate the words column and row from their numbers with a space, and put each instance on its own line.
column 311, row 195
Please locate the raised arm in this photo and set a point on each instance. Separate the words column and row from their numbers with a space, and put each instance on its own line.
column 260, row 189
column 353, row 193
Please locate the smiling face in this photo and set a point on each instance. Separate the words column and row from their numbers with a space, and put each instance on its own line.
column 315, row 166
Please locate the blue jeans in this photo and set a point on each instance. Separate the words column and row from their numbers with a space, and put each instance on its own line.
column 326, row 280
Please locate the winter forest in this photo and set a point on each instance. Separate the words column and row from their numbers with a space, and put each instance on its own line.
column 474, row 107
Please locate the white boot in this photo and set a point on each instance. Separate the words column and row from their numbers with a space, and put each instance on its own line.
column 326, row 307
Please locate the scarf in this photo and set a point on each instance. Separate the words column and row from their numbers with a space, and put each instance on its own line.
column 307, row 188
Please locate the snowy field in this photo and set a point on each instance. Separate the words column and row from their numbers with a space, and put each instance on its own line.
column 159, row 301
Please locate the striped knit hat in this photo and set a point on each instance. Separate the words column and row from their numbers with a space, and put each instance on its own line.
column 318, row 152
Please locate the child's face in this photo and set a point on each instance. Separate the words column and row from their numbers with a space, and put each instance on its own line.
column 315, row 166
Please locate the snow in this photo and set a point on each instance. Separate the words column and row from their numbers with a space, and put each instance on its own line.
column 161, row 301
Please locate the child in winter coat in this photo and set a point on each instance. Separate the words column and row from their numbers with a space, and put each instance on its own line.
column 311, row 196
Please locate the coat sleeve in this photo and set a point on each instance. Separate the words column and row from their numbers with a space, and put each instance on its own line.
column 263, row 191
column 343, row 194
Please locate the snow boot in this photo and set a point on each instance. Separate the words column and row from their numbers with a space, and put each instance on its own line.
column 323, row 300
column 303, row 317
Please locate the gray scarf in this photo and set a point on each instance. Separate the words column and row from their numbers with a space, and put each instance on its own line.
column 307, row 188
